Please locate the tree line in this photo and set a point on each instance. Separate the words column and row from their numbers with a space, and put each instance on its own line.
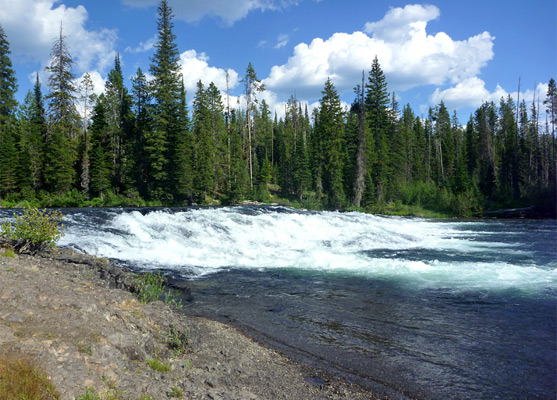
column 140, row 145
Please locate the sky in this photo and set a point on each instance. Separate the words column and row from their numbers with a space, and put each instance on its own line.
column 460, row 52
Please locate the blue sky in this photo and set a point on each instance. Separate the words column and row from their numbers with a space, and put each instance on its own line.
column 460, row 52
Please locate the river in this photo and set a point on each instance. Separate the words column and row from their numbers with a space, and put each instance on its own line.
column 409, row 307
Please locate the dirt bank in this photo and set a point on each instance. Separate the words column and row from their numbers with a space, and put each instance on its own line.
column 72, row 315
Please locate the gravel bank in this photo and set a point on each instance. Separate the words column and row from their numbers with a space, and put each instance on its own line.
column 75, row 317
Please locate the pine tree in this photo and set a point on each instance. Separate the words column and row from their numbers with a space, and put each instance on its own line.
column 118, row 102
column 60, row 150
column 181, row 150
column 31, row 144
column 166, row 92
column 377, row 103
column 8, row 81
column 62, row 94
column 551, row 103
column 136, row 164
column 101, row 149
column 8, row 134
column 203, row 144
column 331, row 133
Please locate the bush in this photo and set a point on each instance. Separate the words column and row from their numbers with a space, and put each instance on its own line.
column 149, row 287
column 34, row 229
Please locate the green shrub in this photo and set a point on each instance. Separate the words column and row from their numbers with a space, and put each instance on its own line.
column 158, row 365
column 177, row 341
column 149, row 286
column 34, row 229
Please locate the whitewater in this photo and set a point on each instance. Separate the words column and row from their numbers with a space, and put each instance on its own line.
column 408, row 307
column 423, row 253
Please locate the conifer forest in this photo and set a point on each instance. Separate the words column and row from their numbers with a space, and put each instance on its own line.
column 142, row 144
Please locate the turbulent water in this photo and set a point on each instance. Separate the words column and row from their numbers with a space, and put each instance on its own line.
column 408, row 307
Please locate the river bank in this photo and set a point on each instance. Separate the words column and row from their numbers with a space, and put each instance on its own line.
column 72, row 316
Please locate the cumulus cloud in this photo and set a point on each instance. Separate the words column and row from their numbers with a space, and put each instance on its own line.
column 32, row 40
column 408, row 54
column 471, row 93
column 229, row 11
column 195, row 67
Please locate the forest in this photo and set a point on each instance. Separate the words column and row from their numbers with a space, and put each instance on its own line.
column 144, row 145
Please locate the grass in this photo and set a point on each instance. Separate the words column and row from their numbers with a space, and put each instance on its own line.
column 158, row 365
column 10, row 253
column 20, row 379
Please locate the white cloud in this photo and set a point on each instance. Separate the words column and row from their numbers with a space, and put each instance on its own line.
column 229, row 11
column 282, row 40
column 409, row 56
column 471, row 93
column 32, row 39
column 195, row 67
column 148, row 45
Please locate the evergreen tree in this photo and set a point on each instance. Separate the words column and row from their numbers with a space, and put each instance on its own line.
column 101, row 149
column 331, row 133
column 31, row 144
column 60, row 150
column 181, row 149
column 166, row 92
column 203, row 143
column 8, row 134
column 136, row 164
column 62, row 94
column 8, row 81
column 377, row 103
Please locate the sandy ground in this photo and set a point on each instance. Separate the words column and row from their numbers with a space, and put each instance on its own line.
column 75, row 317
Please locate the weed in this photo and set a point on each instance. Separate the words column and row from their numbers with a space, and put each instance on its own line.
column 175, row 392
column 177, row 341
column 149, row 286
column 171, row 298
column 85, row 349
column 91, row 394
column 158, row 365
column 8, row 253
column 20, row 379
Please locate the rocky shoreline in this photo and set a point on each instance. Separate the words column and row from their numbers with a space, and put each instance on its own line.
column 76, row 317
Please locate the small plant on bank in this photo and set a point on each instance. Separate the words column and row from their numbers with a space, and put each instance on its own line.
column 34, row 230
column 177, row 341
column 158, row 365
column 10, row 253
column 150, row 286
column 20, row 379
column 175, row 392
column 171, row 298
column 91, row 394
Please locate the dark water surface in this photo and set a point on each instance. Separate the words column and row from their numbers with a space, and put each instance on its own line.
column 411, row 308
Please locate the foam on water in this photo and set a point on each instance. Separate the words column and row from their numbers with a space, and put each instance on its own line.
column 197, row 242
